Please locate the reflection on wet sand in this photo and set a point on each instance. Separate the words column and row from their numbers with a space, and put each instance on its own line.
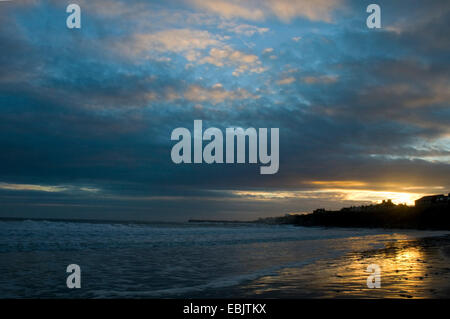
column 409, row 269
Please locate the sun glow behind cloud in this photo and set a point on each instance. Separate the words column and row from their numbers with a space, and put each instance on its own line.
column 377, row 196
column 356, row 195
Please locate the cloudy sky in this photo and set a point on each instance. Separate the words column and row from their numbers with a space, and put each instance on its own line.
column 86, row 115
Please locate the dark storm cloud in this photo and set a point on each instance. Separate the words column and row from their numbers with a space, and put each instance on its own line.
column 94, row 108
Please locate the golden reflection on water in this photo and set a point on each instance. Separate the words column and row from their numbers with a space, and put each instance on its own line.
column 408, row 270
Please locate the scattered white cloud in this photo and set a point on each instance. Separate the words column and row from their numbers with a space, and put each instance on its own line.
column 196, row 46
column 285, row 10
column 215, row 95
column 46, row 188
column 242, row 29
column 287, row 80
column 231, row 9
column 31, row 187
column 185, row 41
column 227, row 56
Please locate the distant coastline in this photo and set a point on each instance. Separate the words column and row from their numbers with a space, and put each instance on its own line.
column 429, row 212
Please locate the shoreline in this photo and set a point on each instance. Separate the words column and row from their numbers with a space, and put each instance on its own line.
column 308, row 263
column 412, row 268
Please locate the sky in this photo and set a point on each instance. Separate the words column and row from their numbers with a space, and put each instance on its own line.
column 86, row 114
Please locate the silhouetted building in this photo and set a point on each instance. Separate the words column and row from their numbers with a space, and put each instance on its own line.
column 433, row 200
column 387, row 202
column 430, row 212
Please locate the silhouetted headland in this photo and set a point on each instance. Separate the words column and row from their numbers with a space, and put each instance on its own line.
column 429, row 212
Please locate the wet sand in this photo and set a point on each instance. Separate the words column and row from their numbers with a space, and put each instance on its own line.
column 418, row 268
column 410, row 269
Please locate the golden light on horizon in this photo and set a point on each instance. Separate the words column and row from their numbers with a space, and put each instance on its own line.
column 337, row 194
column 357, row 191
column 378, row 196
column 339, row 183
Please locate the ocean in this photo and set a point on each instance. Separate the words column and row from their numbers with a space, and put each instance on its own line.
column 173, row 260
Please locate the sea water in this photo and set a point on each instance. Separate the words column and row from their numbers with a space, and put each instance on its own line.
column 162, row 260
